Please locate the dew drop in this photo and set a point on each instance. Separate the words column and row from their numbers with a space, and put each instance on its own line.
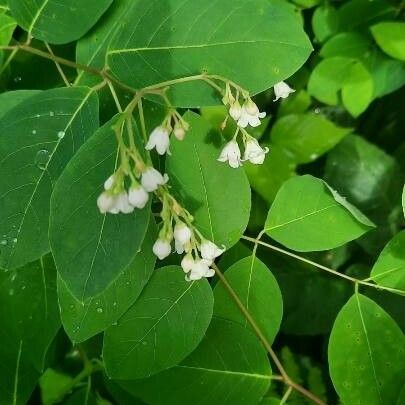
column 34, row 131
column 99, row 310
column 11, row 292
column 3, row 242
column 61, row 134
column 51, row 113
column 115, row 303
column 15, row 240
column 23, row 287
column 13, row 277
column 42, row 158
column 17, row 79
column 38, row 115
column 71, row 307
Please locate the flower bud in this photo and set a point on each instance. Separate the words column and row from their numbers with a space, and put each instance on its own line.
column 187, row 263
column 152, row 179
column 162, row 248
column 137, row 196
column 210, row 251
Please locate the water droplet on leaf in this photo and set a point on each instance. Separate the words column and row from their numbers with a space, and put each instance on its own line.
column 42, row 158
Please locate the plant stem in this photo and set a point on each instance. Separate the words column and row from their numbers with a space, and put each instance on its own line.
column 320, row 266
column 58, row 67
column 285, row 378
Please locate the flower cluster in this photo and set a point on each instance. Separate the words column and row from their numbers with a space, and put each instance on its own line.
column 246, row 114
column 116, row 199
column 159, row 139
column 200, row 253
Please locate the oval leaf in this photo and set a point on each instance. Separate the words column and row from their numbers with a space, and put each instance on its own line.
column 259, row 292
column 390, row 37
column 217, row 195
column 38, row 138
column 84, row 320
column 366, row 354
column 161, row 328
column 48, row 19
column 308, row 216
column 169, row 39
column 91, row 249
column 389, row 269
column 229, row 367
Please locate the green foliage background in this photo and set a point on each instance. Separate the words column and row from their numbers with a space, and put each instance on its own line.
column 308, row 303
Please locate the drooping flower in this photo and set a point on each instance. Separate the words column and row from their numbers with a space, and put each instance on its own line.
column 122, row 203
column 254, row 153
column 159, row 139
column 162, row 248
column 210, row 251
column 152, row 179
column 235, row 111
column 182, row 233
column 250, row 115
column 109, row 182
column 137, row 196
column 231, row 154
column 199, row 269
column 282, row 90
column 187, row 263
column 105, row 202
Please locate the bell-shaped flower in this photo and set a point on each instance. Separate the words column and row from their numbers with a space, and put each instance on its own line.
column 235, row 111
column 108, row 184
column 182, row 233
column 162, row 248
column 159, row 139
column 105, row 202
column 187, row 263
column 254, row 153
column 210, row 251
column 137, row 196
column 250, row 115
column 199, row 269
column 152, row 179
column 282, row 90
column 231, row 154
column 122, row 203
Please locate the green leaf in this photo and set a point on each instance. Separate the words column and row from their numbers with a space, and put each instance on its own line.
column 7, row 27
column 403, row 200
column 92, row 48
column 30, row 321
column 56, row 22
column 346, row 75
column 176, row 38
column 164, row 325
column 229, row 367
column 91, row 249
column 306, row 136
column 347, row 44
column 217, row 195
column 306, row 206
column 325, row 22
column 389, row 269
column 266, row 179
column 10, row 99
column 258, row 290
column 53, row 384
column 366, row 354
column 84, row 320
column 38, row 138
column 296, row 103
column 390, row 37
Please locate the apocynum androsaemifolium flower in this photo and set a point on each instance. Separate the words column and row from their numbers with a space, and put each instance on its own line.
column 199, row 269
column 282, row 90
column 162, row 248
column 254, row 153
column 250, row 115
column 152, row 179
column 138, row 196
column 231, row 154
column 159, row 139
column 210, row 251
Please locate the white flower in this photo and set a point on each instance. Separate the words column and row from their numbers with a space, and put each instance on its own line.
column 109, row 182
column 187, row 263
column 105, row 202
column 250, row 115
column 159, row 139
column 254, row 152
column 231, row 154
column 235, row 111
column 199, row 269
column 178, row 246
column 210, row 251
column 179, row 133
column 152, row 179
column 182, row 233
column 162, row 248
column 137, row 196
column 282, row 90
column 122, row 203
